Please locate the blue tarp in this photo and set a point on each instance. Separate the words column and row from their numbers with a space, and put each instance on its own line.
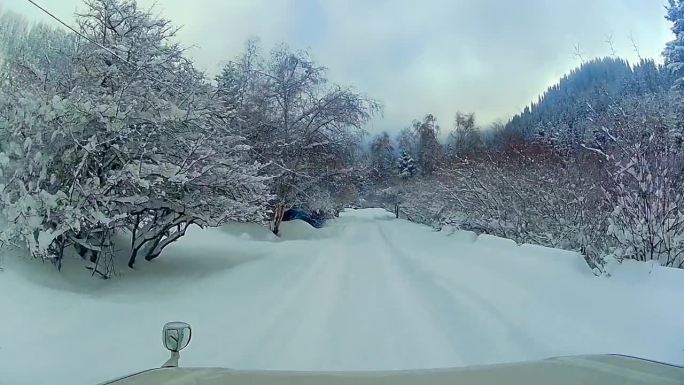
column 314, row 218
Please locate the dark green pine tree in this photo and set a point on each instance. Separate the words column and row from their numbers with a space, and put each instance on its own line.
column 406, row 165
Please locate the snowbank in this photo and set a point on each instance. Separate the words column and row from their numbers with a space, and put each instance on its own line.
column 367, row 214
column 297, row 230
column 249, row 231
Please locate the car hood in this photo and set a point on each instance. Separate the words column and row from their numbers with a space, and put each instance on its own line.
column 585, row 370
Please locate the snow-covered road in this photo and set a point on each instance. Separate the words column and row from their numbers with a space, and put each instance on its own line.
column 368, row 292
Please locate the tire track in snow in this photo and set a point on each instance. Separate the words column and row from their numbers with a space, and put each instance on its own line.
column 340, row 321
column 383, row 313
column 426, row 342
column 263, row 335
column 353, row 303
column 298, row 334
column 491, row 335
column 351, row 307
column 458, row 318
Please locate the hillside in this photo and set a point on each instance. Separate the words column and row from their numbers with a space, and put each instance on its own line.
column 565, row 110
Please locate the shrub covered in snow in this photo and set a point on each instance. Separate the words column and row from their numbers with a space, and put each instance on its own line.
column 539, row 199
column 647, row 171
column 126, row 137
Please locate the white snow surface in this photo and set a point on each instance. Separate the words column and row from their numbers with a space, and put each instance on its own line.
column 367, row 292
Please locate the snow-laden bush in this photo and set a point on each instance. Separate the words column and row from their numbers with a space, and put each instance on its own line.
column 620, row 196
column 647, row 220
column 534, row 198
column 128, row 138
column 541, row 202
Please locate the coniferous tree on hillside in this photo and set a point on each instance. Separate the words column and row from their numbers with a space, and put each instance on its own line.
column 563, row 114
column 406, row 165
column 674, row 51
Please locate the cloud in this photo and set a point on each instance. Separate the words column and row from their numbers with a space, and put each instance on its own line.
column 491, row 57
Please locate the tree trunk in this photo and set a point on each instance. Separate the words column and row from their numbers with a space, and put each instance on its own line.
column 151, row 249
column 159, row 246
column 134, row 250
column 278, row 218
column 131, row 260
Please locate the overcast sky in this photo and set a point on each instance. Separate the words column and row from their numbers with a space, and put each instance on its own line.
column 491, row 57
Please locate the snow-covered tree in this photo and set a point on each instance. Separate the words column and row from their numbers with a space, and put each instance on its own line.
column 674, row 51
column 563, row 114
column 303, row 127
column 429, row 151
column 406, row 166
column 382, row 157
column 127, row 136
column 407, row 142
column 13, row 30
column 465, row 139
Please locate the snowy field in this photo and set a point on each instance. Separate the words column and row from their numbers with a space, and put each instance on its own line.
column 367, row 292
